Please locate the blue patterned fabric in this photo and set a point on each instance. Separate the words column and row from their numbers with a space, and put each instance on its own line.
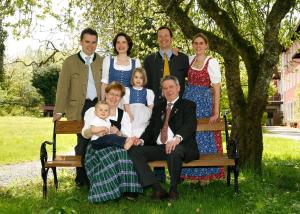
column 202, row 96
column 138, row 96
column 120, row 76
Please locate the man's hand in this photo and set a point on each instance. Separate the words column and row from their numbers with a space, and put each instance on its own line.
column 57, row 117
column 136, row 141
column 171, row 145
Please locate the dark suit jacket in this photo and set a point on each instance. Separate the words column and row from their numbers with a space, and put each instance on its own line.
column 182, row 122
column 154, row 68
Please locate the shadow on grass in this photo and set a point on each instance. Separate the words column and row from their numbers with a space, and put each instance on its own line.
column 277, row 191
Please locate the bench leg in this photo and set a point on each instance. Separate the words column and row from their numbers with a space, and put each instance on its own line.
column 236, row 176
column 44, row 172
column 55, row 177
column 228, row 175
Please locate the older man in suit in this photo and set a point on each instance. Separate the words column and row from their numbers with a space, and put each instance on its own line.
column 78, row 89
column 169, row 136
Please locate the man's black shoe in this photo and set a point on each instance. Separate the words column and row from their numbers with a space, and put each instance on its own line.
column 173, row 196
column 132, row 196
column 158, row 195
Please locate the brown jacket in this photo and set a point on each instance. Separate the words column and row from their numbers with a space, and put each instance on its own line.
column 72, row 85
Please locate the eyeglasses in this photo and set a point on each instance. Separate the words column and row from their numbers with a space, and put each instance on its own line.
column 114, row 95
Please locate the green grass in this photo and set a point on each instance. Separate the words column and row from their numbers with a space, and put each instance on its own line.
column 21, row 138
column 276, row 191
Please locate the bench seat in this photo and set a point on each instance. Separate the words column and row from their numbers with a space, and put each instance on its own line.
column 207, row 160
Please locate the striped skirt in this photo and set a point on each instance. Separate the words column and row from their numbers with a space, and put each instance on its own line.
column 111, row 173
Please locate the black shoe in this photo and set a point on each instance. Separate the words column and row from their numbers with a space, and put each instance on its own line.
column 79, row 185
column 131, row 196
column 158, row 195
column 173, row 196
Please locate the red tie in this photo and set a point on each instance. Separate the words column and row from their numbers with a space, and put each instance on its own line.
column 164, row 130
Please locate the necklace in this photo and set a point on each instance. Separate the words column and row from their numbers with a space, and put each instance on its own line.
column 198, row 63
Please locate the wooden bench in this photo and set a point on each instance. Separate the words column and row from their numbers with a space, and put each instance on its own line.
column 229, row 160
column 48, row 110
column 60, row 127
column 207, row 160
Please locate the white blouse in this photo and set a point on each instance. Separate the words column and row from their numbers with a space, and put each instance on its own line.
column 213, row 68
column 125, row 122
column 106, row 65
column 150, row 95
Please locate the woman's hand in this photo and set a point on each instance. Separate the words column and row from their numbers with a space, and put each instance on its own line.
column 213, row 119
column 115, row 130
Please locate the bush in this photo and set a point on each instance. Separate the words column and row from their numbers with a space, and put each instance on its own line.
column 45, row 81
column 17, row 96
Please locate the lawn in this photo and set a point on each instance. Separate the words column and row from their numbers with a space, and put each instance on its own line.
column 21, row 138
column 276, row 191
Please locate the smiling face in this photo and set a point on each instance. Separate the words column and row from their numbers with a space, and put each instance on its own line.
column 121, row 45
column 164, row 39
column 138, row 79
column 199, row 45
column 113, row 98
column 170, row 90
column 102, row 110
column 88, row 44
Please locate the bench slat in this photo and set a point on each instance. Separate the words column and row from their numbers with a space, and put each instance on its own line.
column 204, row 161
column 63, row 163
column 203, row 125
column 68, row 127
column 68, row 157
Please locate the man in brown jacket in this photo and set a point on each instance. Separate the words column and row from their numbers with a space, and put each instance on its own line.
column 78, row 89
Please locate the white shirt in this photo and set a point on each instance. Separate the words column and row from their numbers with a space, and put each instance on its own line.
column 97, row 121
column 91, row 92
column 106, row 65
column 213, row 69
column 149, row 98
column 125, row 122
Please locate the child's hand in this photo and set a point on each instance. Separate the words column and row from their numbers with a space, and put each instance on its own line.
column 131, row 117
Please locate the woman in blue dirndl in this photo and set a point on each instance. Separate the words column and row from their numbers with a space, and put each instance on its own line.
column 204, row 79
column 119, row 68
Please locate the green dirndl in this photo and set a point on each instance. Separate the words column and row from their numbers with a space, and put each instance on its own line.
column 111, row 173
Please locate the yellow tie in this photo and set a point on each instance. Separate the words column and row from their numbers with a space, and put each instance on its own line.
column 166, row 66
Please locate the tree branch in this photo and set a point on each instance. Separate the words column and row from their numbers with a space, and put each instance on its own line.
column 230, row 32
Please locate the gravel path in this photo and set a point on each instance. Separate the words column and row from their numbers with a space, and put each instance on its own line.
column 18, row 174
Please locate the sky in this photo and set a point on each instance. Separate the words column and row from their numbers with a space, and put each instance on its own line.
column 43, row 30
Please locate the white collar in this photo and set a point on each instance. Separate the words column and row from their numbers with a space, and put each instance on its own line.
column 174, row 101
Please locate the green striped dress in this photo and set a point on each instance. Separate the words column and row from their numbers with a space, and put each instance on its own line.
column 111, row 173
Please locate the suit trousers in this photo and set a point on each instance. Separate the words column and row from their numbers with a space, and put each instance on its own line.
column 80, row 148
column 140, row 155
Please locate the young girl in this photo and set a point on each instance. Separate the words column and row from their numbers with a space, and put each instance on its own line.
column 138, row 102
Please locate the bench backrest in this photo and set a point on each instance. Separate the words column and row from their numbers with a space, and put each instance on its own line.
column 203, row 125
column 68, row 127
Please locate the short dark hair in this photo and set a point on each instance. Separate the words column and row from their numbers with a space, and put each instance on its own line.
column 165, row 27
column 128, row 39
column 88, row 31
